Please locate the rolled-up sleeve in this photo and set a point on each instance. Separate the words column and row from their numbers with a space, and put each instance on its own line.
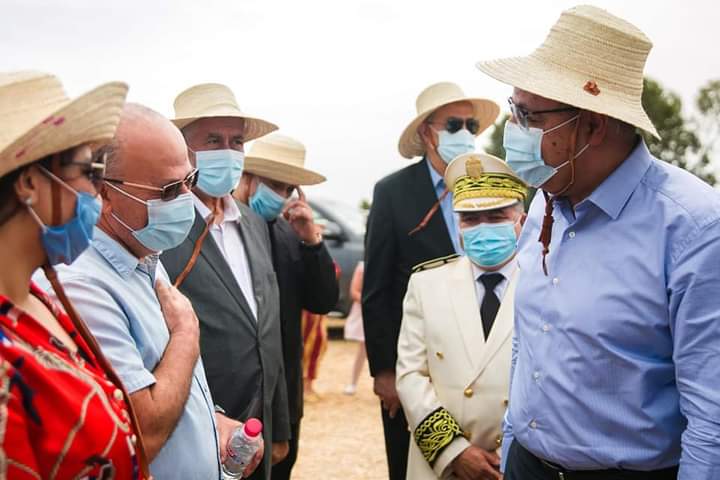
column 694, row 299
column 110, row 326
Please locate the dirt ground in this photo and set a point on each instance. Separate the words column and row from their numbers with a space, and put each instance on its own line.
column 341, row 436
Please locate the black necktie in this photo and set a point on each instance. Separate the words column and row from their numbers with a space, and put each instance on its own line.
column 490, row 303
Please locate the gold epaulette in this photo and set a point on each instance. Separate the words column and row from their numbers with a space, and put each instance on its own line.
column 434, row 263
column 435, row 433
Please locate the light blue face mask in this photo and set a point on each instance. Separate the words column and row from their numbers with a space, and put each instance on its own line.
column 169, row 222
column 452, row 145
column 64, row 243
column 523, row 153
column 490, row 244
column 219, row 170
column 266, row 202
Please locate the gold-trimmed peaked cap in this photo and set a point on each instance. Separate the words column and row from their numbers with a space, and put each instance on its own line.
column 480, row 181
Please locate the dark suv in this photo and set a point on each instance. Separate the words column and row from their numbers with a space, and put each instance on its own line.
column 344, row 236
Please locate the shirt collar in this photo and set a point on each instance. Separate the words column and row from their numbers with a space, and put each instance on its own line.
column 434, row 175
column 507, row 270
column 230, row 208
column 115, row 253
column 614, row 192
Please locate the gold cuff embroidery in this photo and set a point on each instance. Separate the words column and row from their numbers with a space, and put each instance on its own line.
column 435, row 433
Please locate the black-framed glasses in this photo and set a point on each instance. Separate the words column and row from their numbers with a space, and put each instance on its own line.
column 455, row 124
column 169, row 191
column 522, row 115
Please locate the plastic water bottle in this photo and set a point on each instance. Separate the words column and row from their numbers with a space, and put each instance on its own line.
column 244, row 443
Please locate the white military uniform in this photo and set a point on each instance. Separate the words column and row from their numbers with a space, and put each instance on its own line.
column 452, row 382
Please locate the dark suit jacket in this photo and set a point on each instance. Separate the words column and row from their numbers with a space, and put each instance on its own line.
column 400, row 201
column 306, row 277
column 243, row 358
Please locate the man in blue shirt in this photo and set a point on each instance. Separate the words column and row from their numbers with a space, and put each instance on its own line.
column 617, row 328
column 145, row 326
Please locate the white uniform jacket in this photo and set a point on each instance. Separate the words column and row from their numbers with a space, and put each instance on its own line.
column 453, row 384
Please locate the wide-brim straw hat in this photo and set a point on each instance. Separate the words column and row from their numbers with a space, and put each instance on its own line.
column 38, row 119
column 591, row 59
column 209, row 100
column 481, row 182
column 280, row 158
column 434, row 97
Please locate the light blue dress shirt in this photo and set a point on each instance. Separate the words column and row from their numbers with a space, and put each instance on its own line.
column 114, row 294
column 446, row 206
column 616, row 354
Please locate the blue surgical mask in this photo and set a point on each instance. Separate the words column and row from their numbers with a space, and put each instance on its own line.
column 219, row 170
column 266, row 202
column 523, row 153
column 169, row 222
column 64, row 243
column 452, row 145
column 490, row 244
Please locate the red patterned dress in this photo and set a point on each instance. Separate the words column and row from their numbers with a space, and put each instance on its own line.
column 60, row 416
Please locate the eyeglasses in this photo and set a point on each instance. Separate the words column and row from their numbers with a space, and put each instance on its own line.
column 167, row 192
column 455, row 124
column 93, row 171
column 522, row 115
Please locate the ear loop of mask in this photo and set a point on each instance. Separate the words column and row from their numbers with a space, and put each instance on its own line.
column 130, row 196
column 546, row 230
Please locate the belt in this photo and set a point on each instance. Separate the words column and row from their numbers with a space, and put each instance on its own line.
column 558, row 472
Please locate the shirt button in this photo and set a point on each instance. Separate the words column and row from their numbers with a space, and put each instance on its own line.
column 546, row 328
column 571, row 234
column 118, row 395
column 533, row 424
column 555, row 281
column 536, row 375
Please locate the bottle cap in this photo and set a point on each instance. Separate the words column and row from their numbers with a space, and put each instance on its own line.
column 253, row 427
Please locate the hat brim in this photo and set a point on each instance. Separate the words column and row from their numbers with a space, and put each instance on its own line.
column 254, row 127
column 281, row 172
column 484, row 204
column 89, row 118
column 564, row 85
column 411, row 145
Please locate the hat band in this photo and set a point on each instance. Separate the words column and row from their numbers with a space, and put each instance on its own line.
column 489, row 185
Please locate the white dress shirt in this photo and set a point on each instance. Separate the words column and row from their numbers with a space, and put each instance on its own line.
column 228, row 239
column 507, row 272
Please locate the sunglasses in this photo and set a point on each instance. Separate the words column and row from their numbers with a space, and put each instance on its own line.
column 169, row 191
column 523, row 116
column 455, row 124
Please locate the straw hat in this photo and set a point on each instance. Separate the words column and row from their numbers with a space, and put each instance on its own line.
column 282, row 159
column 483, row 182
column 38, row 119
column 209, row 100
column 591, row 59
column 434, row 97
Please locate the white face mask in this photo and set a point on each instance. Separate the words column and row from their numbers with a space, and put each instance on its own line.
column 452, row 145
column 523, row 153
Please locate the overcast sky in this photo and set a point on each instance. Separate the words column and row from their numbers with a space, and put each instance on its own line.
column 341, row 76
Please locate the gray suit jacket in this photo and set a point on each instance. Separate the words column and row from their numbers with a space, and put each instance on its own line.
column 243, row 358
